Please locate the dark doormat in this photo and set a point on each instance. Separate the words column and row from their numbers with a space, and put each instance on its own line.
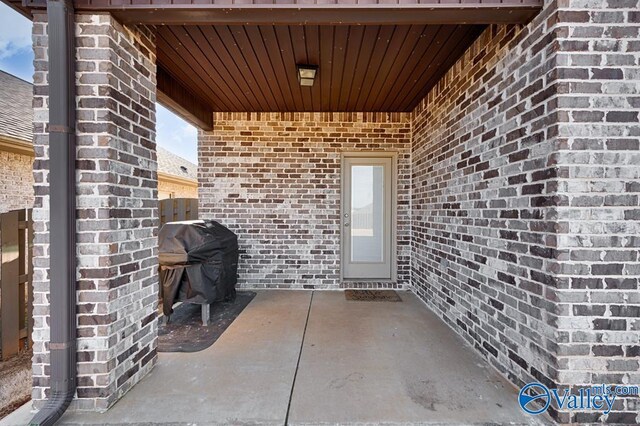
column 372, row 295
column 185, row 332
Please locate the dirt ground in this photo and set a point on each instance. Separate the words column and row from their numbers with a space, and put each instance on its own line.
column 15, row 382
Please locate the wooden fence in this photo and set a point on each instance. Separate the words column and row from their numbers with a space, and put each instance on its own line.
column 16, row 294
column 178, row 209
column 174, row 210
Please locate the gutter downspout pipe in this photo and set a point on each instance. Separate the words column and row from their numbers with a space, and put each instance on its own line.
column 62, row 205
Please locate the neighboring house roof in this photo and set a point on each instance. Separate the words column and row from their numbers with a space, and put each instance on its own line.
column 16, row 109
column 16, row 129
column 174, row 165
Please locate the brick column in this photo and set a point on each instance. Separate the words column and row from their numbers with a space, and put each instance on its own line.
column 597, row 157
column 117, row 211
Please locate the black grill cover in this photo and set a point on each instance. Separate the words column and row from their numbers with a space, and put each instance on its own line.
column 198, row 263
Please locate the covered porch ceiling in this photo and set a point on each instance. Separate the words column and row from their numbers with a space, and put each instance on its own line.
column 360, row 68
column 241, row 55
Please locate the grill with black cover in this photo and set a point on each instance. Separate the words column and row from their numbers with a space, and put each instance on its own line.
column 198, row 264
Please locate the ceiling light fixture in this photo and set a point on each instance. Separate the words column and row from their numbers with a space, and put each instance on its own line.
column 307, row 74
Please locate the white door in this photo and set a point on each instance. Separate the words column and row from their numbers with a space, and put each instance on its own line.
column 367, row 215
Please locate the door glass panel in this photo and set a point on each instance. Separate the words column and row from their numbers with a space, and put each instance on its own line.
column 367, row 210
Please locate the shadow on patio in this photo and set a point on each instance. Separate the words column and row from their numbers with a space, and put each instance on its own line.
column 316, row 358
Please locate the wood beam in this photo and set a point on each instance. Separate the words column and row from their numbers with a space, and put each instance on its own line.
column 429, row 12
column 297, row 12
column 18, row 6
column 177, row 98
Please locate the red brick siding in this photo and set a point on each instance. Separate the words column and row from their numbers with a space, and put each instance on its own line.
column 16, row 181
column 175, row 190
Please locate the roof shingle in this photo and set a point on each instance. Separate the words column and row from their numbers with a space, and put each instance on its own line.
column 16, row 122
column 16, row 109
column 175, row 165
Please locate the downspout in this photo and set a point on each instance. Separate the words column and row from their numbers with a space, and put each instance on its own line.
column 62, row 207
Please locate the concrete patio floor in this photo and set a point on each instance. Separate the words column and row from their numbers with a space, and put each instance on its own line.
column 298, row 358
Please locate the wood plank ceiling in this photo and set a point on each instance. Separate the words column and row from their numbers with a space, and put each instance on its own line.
column 361, row 68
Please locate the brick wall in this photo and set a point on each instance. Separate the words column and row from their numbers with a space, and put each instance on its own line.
column 175, row 190
column 483, row 237
column 116, row 208
column 524, row 201
column 274, row 179
column 16, row 181
column 598, row 215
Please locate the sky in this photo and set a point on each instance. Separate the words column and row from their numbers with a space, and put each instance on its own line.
column 16, row 57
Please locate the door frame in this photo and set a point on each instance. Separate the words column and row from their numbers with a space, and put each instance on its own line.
column 393, row 155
